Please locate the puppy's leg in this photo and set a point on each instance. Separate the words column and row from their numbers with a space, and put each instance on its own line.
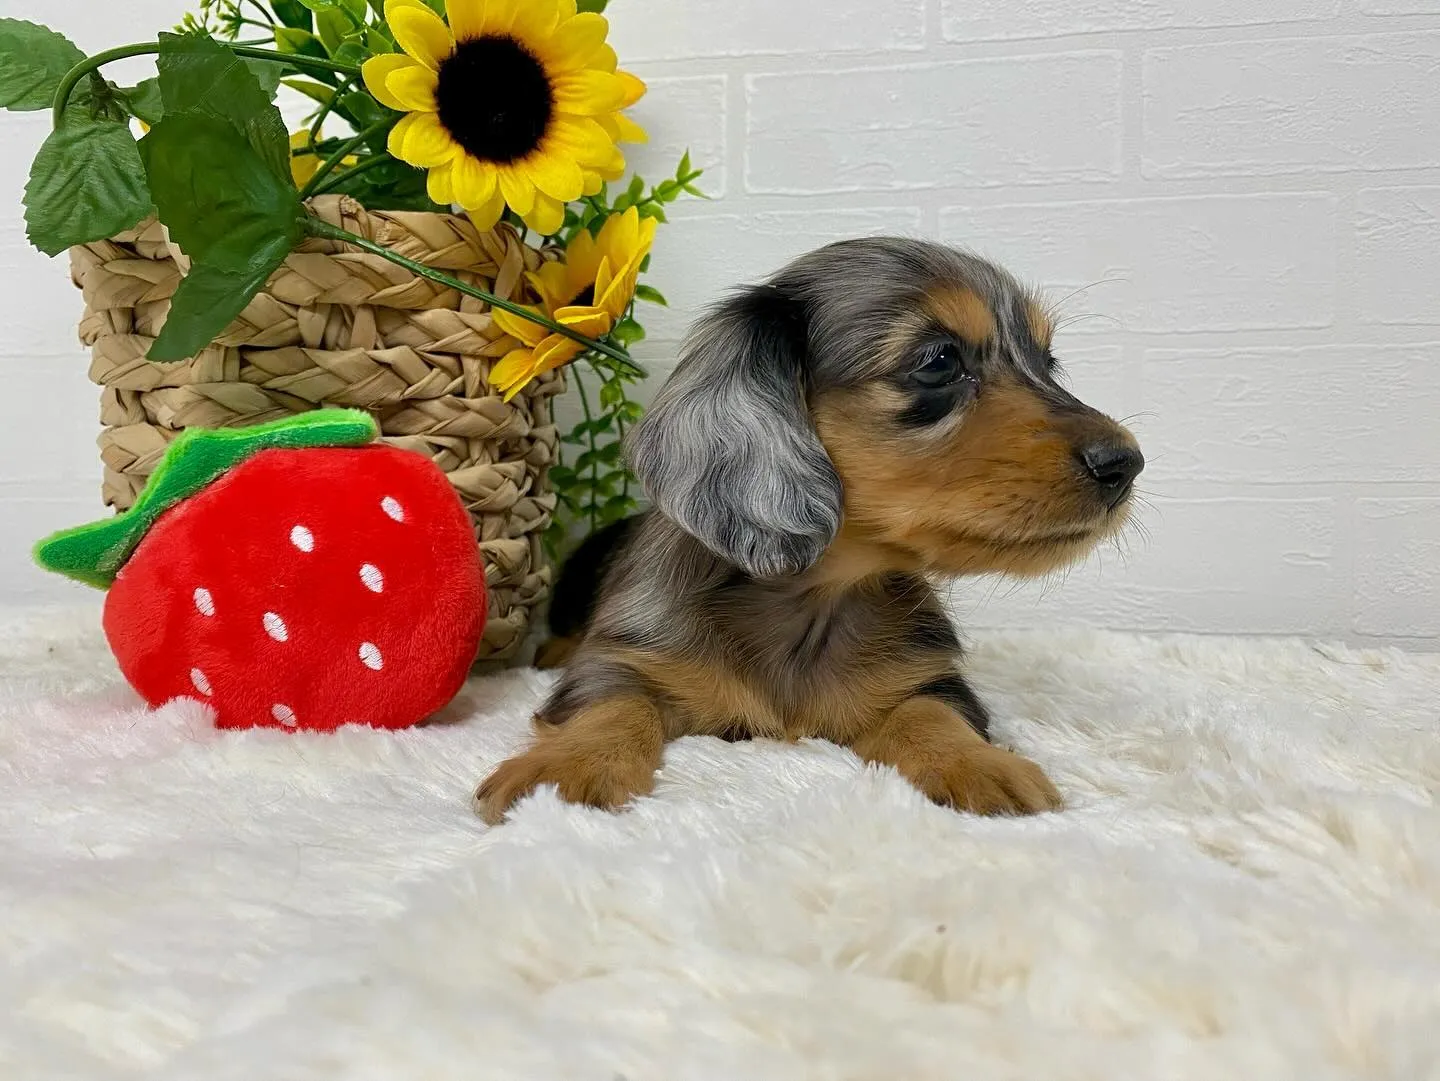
column 938, row 751
column 602, row 754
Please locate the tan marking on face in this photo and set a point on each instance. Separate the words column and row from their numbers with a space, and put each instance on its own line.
column 1042, row 327
column 1002, row 494
column 962, row 311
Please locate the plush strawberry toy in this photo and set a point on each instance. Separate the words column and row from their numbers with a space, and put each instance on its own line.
column 294, row 574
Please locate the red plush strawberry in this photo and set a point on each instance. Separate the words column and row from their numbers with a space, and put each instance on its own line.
column 289, row 577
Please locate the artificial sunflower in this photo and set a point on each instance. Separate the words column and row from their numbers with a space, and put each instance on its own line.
column 304, row 166
column 515, row 102
column 588, row 291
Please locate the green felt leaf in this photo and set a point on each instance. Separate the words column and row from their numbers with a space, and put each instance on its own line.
column 200, row 77
column 86, row 183
column 33, row 60
column 94, row 553
column 311, row 89
column 205, row 303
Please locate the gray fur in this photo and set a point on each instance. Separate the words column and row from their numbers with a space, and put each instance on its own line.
column 728, row 451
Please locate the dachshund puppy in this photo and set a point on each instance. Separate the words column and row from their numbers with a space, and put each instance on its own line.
column 879, row 412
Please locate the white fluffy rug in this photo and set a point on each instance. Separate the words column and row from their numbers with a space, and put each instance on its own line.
column 1247, row 885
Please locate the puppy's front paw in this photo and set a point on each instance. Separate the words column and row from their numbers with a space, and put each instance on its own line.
column 991, row 781
column 605, row 782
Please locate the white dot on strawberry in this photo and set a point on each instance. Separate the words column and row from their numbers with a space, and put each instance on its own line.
column 302, row 538
column 201, row 684
column 370, row 656
column 373, row 579
column 275, row 627
column 284, row 714
column 391, row 506
column 204, row 603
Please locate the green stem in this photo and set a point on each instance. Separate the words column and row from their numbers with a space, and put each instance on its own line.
column 594, row 447
column 362, row 166
column 149, row 48
column 328, row 107
column 318, row 228
column 328, row 165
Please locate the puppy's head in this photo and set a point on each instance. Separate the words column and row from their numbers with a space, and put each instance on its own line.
column 901, row 388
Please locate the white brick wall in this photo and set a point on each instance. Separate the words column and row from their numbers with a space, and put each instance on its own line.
column 1255, row 187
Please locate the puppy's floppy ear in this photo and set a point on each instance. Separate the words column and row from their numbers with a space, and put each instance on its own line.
column 728, row 451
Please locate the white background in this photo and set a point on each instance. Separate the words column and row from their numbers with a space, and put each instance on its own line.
column 1255, row 182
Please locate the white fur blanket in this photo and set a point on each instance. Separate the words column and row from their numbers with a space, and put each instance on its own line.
column 1247, row 885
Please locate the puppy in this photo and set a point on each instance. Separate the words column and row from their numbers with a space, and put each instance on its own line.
column 881, row 411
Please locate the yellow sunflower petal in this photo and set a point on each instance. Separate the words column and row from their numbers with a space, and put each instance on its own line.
column 488, row 213
column 555, row 351
column 555, row 175
column 474, row 181
column 439, row 185
column 467, row 18
column 574, row 42
column 379, row 68
column 629, row 131
column 634, row 88
column 413, row 87
column 587, row 92
column 420, row 32
column 395, row 141
column 425, row 142
column 605, row 59
column 594, row 184
column 586, row 319
column 534, row 20
column 500, row 16
column 518, row 191
column 515, row 370
column 611, row 166
column 580, row 137
column 546, row 216
column 517, row 326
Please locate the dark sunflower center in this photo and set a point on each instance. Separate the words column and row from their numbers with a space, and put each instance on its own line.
column 494, row 98
column 586, row 296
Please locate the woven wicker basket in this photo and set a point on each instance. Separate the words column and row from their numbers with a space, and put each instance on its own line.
column 340, row 327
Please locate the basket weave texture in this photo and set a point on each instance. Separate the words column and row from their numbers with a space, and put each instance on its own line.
column 336, row 326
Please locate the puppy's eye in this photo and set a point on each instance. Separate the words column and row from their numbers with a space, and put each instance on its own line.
column 940, row 367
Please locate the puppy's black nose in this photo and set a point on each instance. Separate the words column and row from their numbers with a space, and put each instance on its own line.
column 1114, row 466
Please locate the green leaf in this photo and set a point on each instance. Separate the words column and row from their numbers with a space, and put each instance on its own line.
column 222, row 203
column 145, row 101
column 86, row 183
column 207, row 301
column 683, row 169
column 561, row 476
column 95, row 553
column 332, row 24
column 33, row 60
column 311, row 89
column 597, row 6
column 586, row 460
column 292, row 13
column 691, row 189
column 651, row 294
column 611, row 395
column 667, row 191
column 302, row 43
column 650, row 210
column 267, row 73
column 630, row 412
column 200, row 77
column 645, row 264
column 627, row 332
column 610, row 453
